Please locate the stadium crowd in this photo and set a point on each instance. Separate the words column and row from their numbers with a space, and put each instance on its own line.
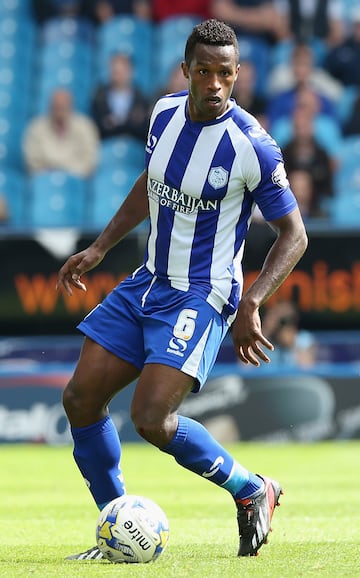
column 75, row 72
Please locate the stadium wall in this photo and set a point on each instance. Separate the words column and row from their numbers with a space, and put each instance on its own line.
column 236, row 404
column 325, row 284
column 252, row 405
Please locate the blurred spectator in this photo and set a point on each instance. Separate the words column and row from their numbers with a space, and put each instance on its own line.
column 294, row 347
column 162, row 9
column 104, row 10
column 302, row 186
column 304, row 190
column 47, row 9
column 327, row 131
column 303, row 153
column 342, row 62
column 98, row 10
column 176, row 83
column 301, row 71
column 309, row 20
column 245, row 93
column 352, row 124
column 4, row 216
column 118, row 107
column 258, row 18
column 61, row 140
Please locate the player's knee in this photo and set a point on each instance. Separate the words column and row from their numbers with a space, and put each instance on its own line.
column 151, row 427
column 70, row 400
column 77, row 403
column 144, row 424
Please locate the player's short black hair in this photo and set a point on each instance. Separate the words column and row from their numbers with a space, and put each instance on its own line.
column 211, row 32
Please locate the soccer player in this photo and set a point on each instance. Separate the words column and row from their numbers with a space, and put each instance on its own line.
column 208, row 162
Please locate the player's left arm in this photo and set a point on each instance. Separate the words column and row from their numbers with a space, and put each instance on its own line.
column 289, row 246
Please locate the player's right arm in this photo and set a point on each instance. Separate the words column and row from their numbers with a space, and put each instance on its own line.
column 133, row 211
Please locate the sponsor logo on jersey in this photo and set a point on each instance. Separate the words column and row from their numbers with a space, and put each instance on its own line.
column 178, row 201
column 151, row 143
column 218, row 177
column 278, row 176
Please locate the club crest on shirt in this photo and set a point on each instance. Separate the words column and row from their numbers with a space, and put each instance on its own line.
column 278, row 176
column 218, row 177
column 257, row 131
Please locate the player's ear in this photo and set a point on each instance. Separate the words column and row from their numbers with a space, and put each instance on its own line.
column 185, row 69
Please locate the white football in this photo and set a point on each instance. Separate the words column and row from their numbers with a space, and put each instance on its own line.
column 132, row 529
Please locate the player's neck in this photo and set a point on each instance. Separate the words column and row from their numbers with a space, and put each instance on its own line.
column 229, row 105
column 194, row 116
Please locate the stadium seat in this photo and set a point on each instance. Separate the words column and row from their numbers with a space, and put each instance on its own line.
column 348, row 7
column 65, row 53
column 65, row 58
column 73, row 78
column 345, row 209
column 109, row 190
column 13, row 53
column 344, row 106
column 256, row 51
column 17, row 45
column 347, row 175
column 122, row 152
column 350, row 150
column 13, row 188
column 16, row 8
column 56, row 199
column 61, row 28
column 15, row 84
column 12, row 27
column 13, row 106
column 11, row 131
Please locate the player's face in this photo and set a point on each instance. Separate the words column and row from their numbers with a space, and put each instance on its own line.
column 211, row 75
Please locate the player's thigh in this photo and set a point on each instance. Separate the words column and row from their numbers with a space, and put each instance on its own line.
column 99, row 374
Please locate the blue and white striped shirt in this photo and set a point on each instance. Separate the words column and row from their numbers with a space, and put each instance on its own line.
column 204, row 179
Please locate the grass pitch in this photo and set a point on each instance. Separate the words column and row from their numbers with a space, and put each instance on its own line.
column 47, row 513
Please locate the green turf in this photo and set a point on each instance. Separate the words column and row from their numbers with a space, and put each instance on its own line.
column 47, row 513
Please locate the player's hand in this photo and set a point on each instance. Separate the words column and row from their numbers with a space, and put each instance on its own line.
column 70, row 273
column 249, row 341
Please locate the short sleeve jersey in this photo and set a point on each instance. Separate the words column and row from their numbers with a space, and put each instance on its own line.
column 204, row 179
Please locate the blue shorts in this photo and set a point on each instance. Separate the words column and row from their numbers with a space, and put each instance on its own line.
column 144, row 320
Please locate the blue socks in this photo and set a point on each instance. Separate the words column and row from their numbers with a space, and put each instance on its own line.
column 195, row 449
column 97, row 452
